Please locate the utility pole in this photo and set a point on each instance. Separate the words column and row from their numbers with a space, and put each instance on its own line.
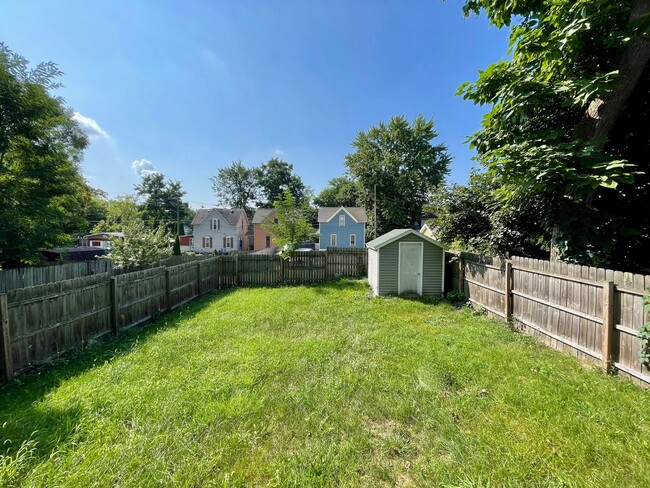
column 375, row 217
column 178, row 222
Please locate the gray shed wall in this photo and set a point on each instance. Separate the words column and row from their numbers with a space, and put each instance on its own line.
column 431, row 267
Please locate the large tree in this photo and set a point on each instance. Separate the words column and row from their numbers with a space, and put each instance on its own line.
column 400, row 161
column 561, row 115
column 41, row 147
column 235, row 186
column 275, row 176
column 341, row 191
column 162, row 202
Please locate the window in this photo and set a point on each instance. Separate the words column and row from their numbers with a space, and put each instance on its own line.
column 268, row 241
column 96, row 243
column 353, row 240
column 341, row 220
column 275, row 221
column 333, row 240
column 207, row 242
column 228, row 242
column 216, row 224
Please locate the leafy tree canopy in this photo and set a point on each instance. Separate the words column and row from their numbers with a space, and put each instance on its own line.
column 41, row 187
column 341, row 191
column 162, row 204
column 400, row 159
column 293, row 225
column 471, row 218
column 95, row 207
column 274, row 177
column 122, row 209
column 235, row 186
column 577, row 71
column 141, row 248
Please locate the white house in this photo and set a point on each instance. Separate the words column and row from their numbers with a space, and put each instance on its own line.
column 220, row 229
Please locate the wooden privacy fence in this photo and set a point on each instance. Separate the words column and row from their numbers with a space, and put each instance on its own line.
column 39, row 323
column 11, row 279
column 594, row 313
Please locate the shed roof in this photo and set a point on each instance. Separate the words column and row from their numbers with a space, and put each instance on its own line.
column 231, row 215
column 397, row 234
column 325, row 214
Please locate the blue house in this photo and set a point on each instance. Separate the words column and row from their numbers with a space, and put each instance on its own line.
column 342, row 227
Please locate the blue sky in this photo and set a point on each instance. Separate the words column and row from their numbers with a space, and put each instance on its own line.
column 186, row 87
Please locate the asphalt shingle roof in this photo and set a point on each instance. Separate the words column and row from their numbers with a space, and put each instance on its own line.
column 231, row 215
column 358, row 213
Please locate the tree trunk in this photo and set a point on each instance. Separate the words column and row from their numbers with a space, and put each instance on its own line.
column 601, row 115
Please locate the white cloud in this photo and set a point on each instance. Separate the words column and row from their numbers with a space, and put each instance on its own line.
column 90, row 127
column 143, row 167
column 279, row 152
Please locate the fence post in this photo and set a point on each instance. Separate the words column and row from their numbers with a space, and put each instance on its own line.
column 508, row 290
column 198, row 278
column 327, row 265
column 281, row 271
column 461, row 274
column 236, row 270
column 168, row 290
column 115, row 307
column 5, row 342
column 608, row 324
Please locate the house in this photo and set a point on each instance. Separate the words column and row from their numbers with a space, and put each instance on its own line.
column 101, row 239
column 427, row 231
column 261, row 237
column 219, row 229
column 406, row 262
column 79, row 253
column 342, row 227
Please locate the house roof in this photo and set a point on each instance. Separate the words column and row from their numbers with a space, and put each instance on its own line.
column 104, row 235
column 325, row 214
column 231, row 215
column 261, row 214
column 397, row 234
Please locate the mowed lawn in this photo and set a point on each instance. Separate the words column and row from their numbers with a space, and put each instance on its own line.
column 323, row 386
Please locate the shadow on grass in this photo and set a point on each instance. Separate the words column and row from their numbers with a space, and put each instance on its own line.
column 23, row 419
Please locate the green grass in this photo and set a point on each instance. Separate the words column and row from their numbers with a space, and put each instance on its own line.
column 323, row 386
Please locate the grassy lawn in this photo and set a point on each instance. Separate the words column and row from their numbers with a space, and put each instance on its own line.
column 323, row 386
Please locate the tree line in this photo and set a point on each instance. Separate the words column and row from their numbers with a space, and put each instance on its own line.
column 563, row 153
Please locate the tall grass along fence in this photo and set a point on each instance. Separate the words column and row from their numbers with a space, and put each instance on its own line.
column 593, row 313
column 39, row 323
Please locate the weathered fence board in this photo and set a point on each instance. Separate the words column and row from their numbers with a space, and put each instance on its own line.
column 11, row 279
column 46, row 320
column 563, row 305
column 141, row 296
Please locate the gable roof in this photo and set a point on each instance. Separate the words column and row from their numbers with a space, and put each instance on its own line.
column 396, row 234
column 358, row 214
column 230, row 215
column 261, row 214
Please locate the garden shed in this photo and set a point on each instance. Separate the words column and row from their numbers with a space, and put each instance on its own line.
column 406, row 262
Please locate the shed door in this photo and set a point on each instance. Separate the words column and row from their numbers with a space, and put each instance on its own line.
column 410, row 268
